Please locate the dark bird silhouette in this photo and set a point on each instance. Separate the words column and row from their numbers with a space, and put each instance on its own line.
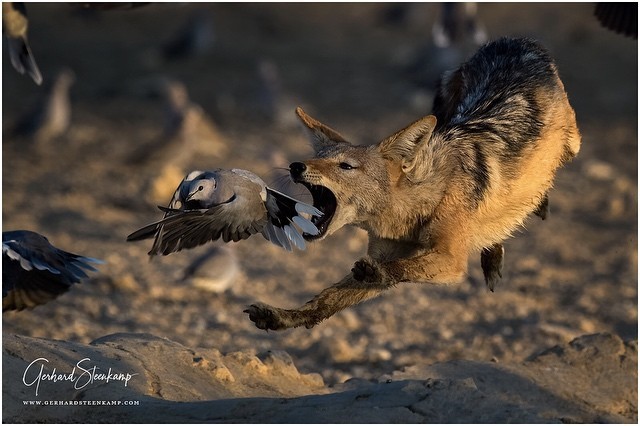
column 35, row 272
column 458, row 22
column 195, row 38
column 621, row 18
column 15, row 26
column 51, row 117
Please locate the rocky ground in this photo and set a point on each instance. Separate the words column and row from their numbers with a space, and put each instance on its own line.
column 571, row 275
column 154, row 380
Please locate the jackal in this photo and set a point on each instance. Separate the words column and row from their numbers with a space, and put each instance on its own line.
column 450, row 184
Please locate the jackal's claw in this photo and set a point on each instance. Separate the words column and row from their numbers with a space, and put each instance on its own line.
column 264, row 316
column 364, row 270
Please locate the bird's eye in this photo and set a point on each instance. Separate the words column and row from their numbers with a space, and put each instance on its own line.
column 200, row 188
column 346, row 166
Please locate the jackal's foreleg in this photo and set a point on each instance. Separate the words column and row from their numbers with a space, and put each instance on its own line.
column 348, row 292
column 368, row 279
column 431, row 267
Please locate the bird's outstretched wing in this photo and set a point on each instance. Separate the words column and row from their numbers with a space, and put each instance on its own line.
column 35, row 272
column 176, row 205
column 234, row 220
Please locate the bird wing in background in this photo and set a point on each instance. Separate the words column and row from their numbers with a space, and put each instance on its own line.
column 35, row 272
column 15, row 25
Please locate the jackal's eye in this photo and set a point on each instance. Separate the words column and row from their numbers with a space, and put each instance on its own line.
column 346, row 166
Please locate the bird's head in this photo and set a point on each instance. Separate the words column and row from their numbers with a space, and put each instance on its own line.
column 201, row 190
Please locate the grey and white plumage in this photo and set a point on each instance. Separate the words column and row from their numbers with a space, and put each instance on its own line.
column 229, row 204
column 15, row 26
column 35, row 272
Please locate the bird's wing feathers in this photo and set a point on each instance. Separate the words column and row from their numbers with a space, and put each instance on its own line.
column 35, row 272
column 285, row 211
column 235, row 220
column 27, row 289
column 175, row 206
column 33, row 251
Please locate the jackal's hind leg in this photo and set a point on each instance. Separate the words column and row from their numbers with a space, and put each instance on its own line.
column 492, row 259
column 543, row 208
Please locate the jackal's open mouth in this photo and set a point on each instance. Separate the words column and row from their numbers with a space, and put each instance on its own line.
column 325, row 201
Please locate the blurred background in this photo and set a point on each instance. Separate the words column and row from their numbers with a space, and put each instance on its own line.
column 134, row 98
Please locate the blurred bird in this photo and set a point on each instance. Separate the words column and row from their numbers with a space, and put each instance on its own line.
column 456, row 33
column 35, row 272
column 395, row 14
column 619, row 17
column 232, row 204
column 187, row 122
column 195, row 38
column 273, row 100
column 213, row 271
column 188, row 133
column 52, row 116
column 458, row 22
column 15, row 26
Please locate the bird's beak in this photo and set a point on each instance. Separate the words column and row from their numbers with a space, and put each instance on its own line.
column 191, row 195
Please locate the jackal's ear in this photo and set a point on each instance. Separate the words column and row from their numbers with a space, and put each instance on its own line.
column 403, row 144
column 406, row 145
column 321, row 136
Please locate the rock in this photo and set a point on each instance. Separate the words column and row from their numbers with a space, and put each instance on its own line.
column 590, row 380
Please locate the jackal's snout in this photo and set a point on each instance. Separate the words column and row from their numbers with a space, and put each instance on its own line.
column 296, row 169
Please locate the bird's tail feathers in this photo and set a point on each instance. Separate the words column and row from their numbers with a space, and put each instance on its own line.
column 277, row 236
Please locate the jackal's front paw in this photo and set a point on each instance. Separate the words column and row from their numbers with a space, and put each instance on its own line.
column 366, row 270
column 265, row 317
